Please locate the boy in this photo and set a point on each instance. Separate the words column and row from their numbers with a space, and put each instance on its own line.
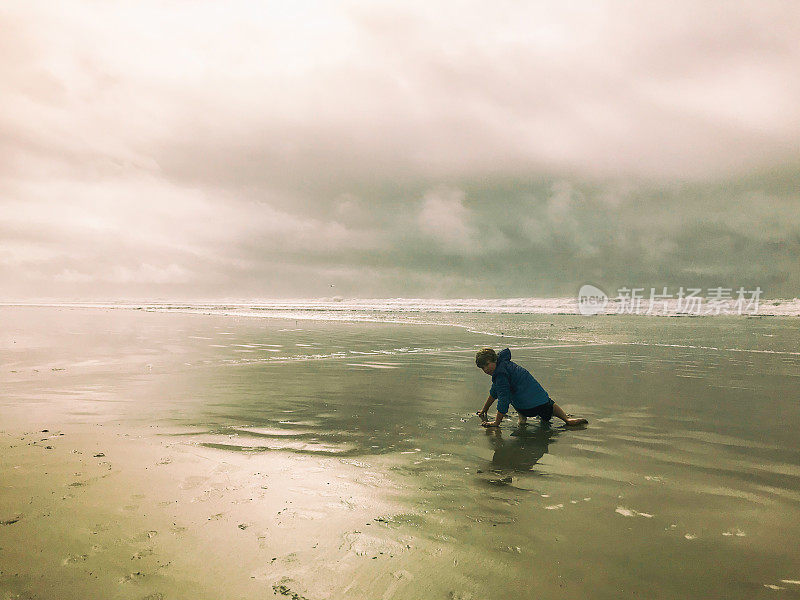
column 514, row 385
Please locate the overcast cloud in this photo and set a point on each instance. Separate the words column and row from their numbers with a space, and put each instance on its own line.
column 171, row 149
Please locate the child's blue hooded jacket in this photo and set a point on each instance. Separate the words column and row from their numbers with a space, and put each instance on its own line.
column 513, row 384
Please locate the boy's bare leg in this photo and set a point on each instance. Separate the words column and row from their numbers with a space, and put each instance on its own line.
column 559, row 412
column 523, row 420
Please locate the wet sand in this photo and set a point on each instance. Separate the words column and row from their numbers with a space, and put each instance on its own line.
column 209, row 456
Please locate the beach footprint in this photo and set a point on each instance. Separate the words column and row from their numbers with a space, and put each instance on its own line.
column 193, row 482
column 145, row 536
column 139, row 575
column 142, row 553
column 131, row 577
column 73, row 559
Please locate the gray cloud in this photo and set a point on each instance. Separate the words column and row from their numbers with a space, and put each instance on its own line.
column 185, row 150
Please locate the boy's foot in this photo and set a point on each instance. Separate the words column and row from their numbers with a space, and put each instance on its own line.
column 576, row 421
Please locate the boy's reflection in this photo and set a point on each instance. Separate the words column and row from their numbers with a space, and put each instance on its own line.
column 523, row 449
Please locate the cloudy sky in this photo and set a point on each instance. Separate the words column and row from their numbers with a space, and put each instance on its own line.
column 183, row 149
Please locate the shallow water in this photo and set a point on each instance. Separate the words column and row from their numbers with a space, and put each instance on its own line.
column 686, row 483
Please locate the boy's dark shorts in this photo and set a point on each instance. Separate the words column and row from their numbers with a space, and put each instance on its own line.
column 545, row 411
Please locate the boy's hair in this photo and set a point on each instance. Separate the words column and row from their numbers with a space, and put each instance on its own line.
column 484, row 357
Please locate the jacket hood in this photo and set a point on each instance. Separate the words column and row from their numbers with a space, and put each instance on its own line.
column 503, row 361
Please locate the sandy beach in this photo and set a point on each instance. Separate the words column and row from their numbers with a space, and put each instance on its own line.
column 249, row 251
column 173, row 455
